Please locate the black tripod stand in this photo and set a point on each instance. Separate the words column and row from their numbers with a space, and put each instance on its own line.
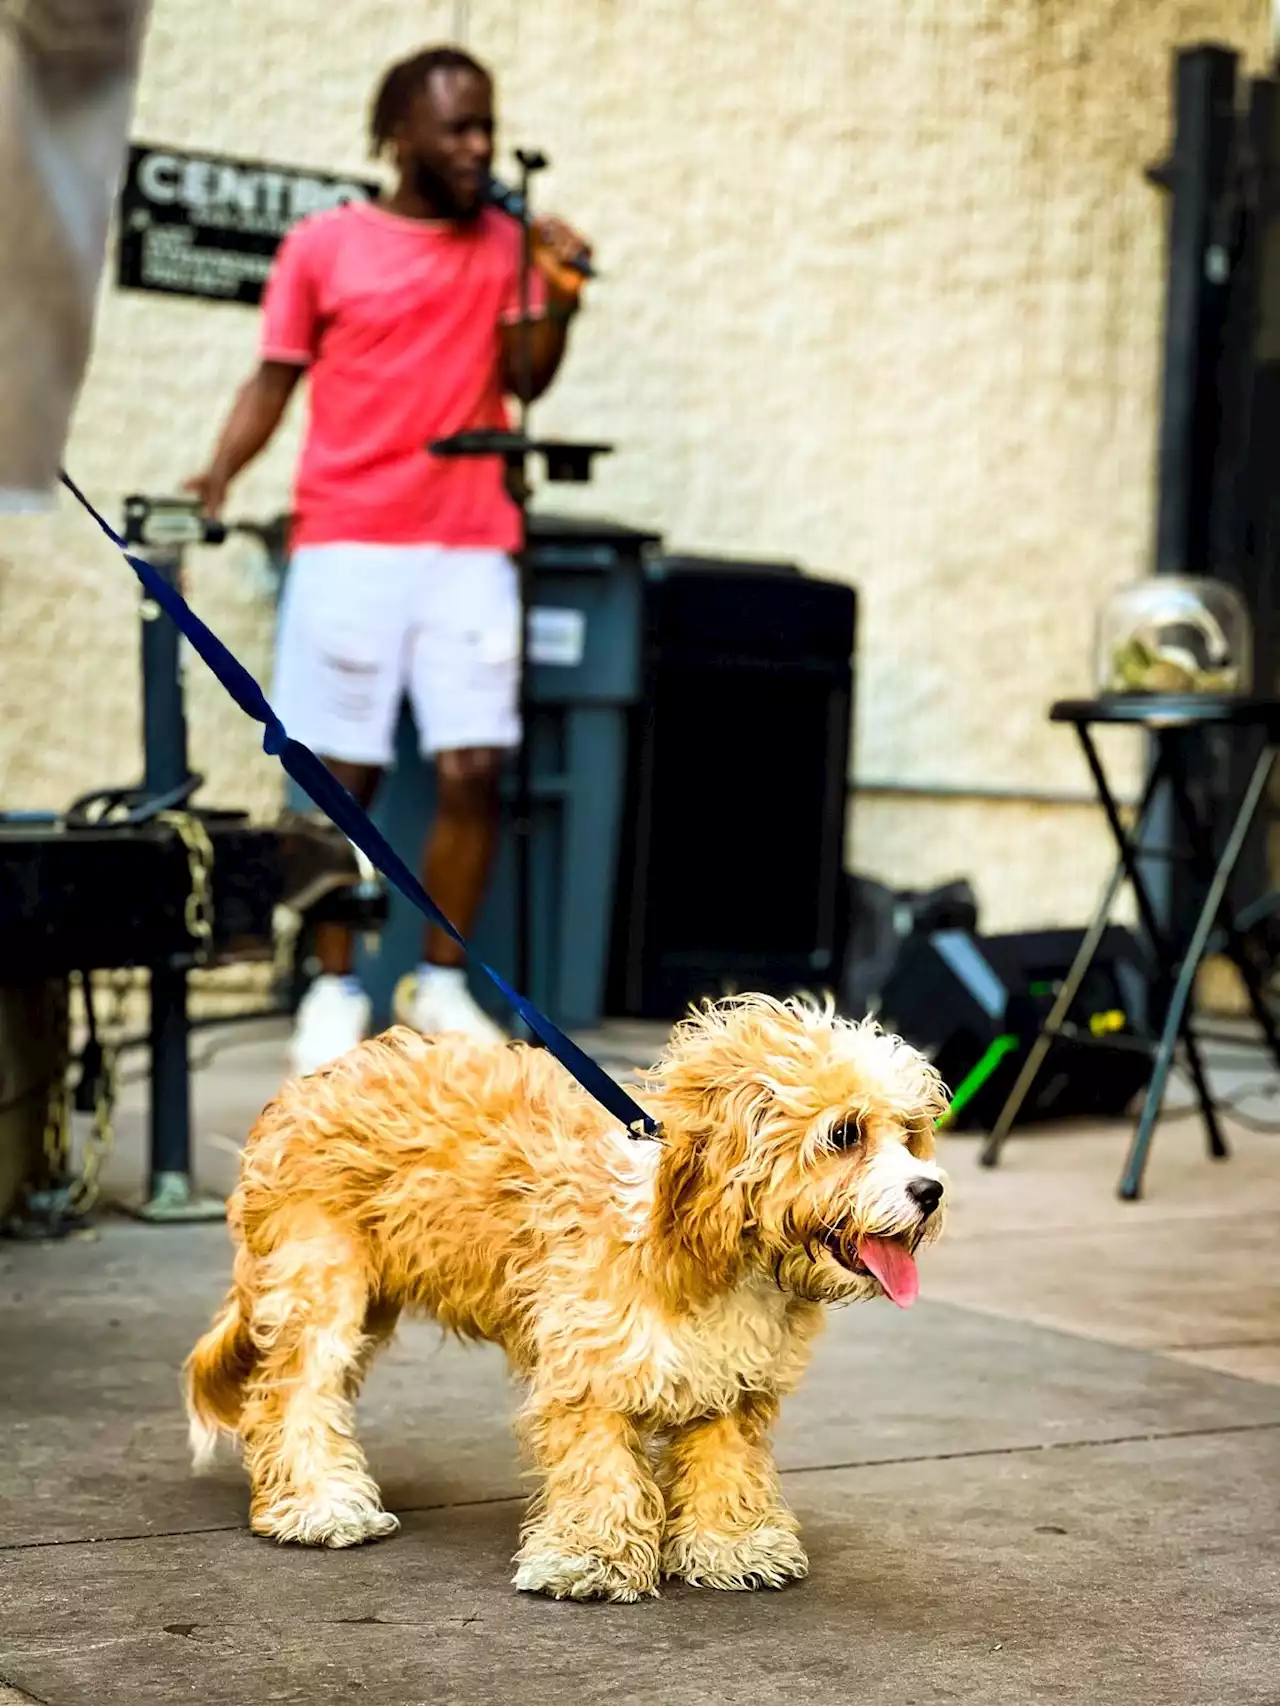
column 564, row 462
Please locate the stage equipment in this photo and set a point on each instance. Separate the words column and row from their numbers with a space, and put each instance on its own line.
column 516, row 203
column 141, row 877
column 564, row 461
column 976, row 1005
column 733, row 842
column 1175, row 725
column 1218, row 500
column 876, row 923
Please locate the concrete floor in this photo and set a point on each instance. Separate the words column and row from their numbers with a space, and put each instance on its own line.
column 1056, row 1479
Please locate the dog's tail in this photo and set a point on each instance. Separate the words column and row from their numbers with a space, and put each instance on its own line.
column 214, row 1376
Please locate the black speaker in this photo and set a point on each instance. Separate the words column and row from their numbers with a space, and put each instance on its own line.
column 733, row 837
column 975, row 1004
column 876, row 924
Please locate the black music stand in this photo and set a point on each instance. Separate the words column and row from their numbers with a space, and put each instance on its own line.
column 565, row 462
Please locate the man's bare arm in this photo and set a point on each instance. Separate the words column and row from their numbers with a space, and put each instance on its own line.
column 256, row 413
column 533, row 350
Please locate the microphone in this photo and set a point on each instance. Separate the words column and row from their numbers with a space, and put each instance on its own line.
column 511, row 202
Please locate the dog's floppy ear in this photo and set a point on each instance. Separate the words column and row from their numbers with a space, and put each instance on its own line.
column 711, row 1097
column 702, row 1209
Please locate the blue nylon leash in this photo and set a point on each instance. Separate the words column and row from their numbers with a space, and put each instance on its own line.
column 334, row 800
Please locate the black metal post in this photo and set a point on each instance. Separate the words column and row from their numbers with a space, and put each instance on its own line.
column 170, row 1154
column 522, row 828
column 164, row 744
column 1195, row 301
column 1248, row 518
column 171, row 1193
column 164, row 717
column 1198, row 177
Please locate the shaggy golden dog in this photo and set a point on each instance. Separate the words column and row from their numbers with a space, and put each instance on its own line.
column 658, row 1298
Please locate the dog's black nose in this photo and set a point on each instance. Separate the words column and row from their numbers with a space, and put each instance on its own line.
column 926, row 1192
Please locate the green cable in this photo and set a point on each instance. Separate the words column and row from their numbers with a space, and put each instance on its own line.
column 977, row 1076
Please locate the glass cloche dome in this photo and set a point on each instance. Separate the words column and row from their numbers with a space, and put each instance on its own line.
column 1174, row 634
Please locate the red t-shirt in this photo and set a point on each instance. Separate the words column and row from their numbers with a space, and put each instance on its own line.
column 398, row 322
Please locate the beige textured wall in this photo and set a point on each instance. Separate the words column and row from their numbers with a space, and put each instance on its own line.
column 883, row 293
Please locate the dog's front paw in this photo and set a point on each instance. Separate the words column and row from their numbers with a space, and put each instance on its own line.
column 333, row 1522
column 766, row 1557
column 582, row 1575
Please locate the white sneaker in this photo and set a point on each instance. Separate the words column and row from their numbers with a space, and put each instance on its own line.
column 333, row 1016
column 436, row 998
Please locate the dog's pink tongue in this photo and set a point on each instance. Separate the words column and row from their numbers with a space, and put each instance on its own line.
column 895, row 1268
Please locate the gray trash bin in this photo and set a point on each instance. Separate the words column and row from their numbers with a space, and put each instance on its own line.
column 585, row 616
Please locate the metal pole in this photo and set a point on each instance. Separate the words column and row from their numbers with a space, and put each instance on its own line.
column 170, row 1157
column 1250, row 508
column 523, row 816
column 1205, row 96
column 164, row 745
column 164, row 718
column 1195, row 299
column 171, row 1192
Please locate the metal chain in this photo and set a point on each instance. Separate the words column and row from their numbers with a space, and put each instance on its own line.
column 69, row 1195
column 57, row 1119
column 65, row 1196
column 83, row 1193
column 198, row 910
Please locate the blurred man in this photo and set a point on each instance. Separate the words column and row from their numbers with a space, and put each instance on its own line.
column 405, row 314
column 68, row 71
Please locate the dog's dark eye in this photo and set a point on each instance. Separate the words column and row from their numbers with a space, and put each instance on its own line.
column 846, row 1135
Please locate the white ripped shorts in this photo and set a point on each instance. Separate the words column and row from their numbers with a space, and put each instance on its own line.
column 362, row 625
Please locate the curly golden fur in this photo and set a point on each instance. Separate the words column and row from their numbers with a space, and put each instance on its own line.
column 657, row 1298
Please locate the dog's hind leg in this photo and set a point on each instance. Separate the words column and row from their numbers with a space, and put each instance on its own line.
column 380, row 1322
column 595, row 1528
column 311, row 1326
column 727, row 1526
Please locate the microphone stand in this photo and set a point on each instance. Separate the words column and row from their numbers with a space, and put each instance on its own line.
column 530, row 161
column 564, row 461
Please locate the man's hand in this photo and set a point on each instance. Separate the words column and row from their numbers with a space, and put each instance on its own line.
column 211, row 489
column 532, row 350
column 555, row 247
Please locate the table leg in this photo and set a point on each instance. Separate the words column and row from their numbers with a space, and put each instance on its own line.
column 1208, row 1112
column 1135, row 1166
column 1159, row 771
column 989, row 1155
column 1202, row 855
